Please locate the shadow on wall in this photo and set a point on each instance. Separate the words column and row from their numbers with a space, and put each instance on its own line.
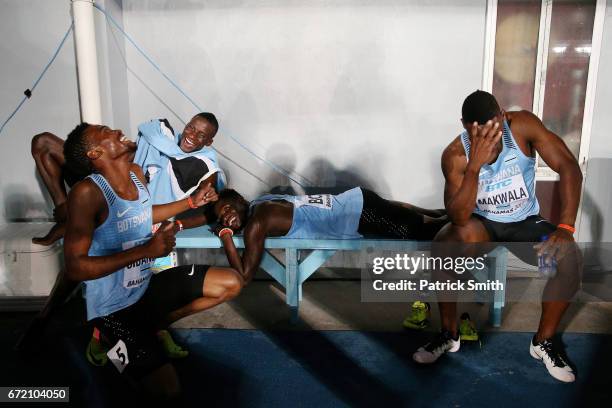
column 335, row 180
column 283, row 156
column 319, row 176
column 591, row 210
column 21, row 206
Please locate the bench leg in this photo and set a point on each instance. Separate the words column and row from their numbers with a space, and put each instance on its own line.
column 292, row 284
column 273, row 267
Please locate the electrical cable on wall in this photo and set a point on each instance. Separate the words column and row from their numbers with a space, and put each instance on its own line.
column 28, row 92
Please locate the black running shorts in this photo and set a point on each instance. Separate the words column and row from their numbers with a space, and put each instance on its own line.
column 382, row 218
column 520, row 236
column 531, row 229
column 137, row 325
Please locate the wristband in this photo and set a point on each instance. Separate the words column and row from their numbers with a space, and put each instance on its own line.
column 567, row 228
column 226, row 230
column 180, row 224
column 191, row 204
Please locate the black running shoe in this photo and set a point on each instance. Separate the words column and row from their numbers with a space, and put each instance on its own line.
column 442, row 343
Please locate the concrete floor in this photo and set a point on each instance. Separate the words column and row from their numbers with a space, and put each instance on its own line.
column 330, row 303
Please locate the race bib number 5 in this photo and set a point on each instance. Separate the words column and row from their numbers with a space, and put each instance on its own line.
column 118, row 355
column 323, row 201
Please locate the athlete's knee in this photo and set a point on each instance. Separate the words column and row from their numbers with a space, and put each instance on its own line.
column 41, row 143
column 233, row 285
column 454, row 233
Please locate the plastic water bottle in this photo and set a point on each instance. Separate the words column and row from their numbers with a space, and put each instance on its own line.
column 547, row 265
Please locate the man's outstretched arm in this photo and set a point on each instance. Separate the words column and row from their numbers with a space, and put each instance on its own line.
column 204, row 194
column 201, row 216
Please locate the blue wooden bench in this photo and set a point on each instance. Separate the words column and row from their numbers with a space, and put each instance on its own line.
column 297, row 269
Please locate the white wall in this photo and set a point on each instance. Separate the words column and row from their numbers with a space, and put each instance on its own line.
column 30, row 31
column 597, row 198
column 339, row 91
column 364, row 92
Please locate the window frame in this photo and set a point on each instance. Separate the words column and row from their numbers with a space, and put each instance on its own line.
column 545, row 173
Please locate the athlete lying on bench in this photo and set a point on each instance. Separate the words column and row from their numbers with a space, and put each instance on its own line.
column 352, row 214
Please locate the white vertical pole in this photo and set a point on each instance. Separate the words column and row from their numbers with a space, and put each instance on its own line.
column 589, row 99
column 86, row 61
column 542, row 173
column 489, row 46
column 589, row 104
column 542, row 58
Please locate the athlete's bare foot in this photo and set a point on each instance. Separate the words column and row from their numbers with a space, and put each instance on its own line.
column 56, row 233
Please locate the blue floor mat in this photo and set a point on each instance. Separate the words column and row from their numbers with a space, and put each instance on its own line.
column 335, row 368
column 343, row 368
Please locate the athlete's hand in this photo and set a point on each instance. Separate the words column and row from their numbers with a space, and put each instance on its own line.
column 484, row 141
column 217, row 228
column 204, row 194
column 558, row 244
column 162, row 242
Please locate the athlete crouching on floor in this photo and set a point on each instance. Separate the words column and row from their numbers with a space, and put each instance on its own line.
column 352, row 214
column 490, row 197
column 109, row 246
column 173, row 163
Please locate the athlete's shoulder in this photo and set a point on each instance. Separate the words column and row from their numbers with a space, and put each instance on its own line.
column 453, row 158
column 524, row 124
column 263, row 208
column 520, row 115
column 523, row 119
column 454, row 149
column 85, row 186
column 258, row 219
column 85, row 191
column 137, row 170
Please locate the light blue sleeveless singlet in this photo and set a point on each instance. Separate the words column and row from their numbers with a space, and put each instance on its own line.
column 322, row 216
column 506, row 188
column 128, row 224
